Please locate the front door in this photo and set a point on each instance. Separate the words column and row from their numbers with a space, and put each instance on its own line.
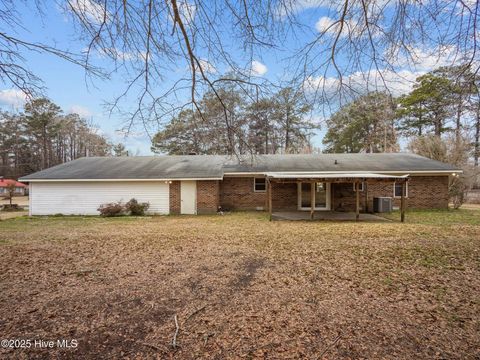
column 188, row 197
column 322, row 196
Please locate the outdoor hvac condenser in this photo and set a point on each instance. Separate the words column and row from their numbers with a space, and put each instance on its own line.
column 382, row 204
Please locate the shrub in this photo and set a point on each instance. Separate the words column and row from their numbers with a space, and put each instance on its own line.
column 136, row 208
column 111, row 209
column 11, row 207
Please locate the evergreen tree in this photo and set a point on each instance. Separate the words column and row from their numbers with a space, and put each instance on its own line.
column 365, row 125
column 427, row 108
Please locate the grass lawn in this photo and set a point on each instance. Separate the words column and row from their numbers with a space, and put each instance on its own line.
column 241, row 286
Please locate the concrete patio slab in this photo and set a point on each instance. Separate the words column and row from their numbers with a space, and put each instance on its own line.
column 325, row 215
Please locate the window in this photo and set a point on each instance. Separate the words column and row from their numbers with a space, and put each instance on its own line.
column 260, row 185
column 397, row 190
column 18, row 189
column 361, row 186
column 320, row 187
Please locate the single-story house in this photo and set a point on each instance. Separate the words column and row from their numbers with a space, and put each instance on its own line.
column 198, row 184
column 20, row 188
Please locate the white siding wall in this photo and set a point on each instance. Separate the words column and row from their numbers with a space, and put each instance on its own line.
column 83, row 198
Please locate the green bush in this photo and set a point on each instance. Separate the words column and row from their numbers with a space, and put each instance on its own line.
column 136, row 208
column 112, row 209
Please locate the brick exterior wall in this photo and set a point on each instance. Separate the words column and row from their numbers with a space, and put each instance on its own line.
column 208, row 196
column 428, row 192
column 424, row 192
column 237, row 193
column 174, row 197
column 284, row 196
column 343, row 197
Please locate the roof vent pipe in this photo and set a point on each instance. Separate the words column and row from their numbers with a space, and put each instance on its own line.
column 336, row 162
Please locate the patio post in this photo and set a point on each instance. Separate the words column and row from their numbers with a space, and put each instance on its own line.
column 269, row 190
column 312, row 200
column 357, row 205
column 365, row 189
column 402, row 202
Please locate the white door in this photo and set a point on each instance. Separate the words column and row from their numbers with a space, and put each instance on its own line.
column 188, row 197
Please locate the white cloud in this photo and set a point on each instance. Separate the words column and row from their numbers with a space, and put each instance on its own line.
column 258, row 69
column 12, row 97
column 119, row 54
column 325, row 23
column 298, row 6
column 187, row 11
column 397, row 83
column 89, row 9
column 80, row 110
column 207, row 66
column 122, row 134
column 428, row 59
column 352, row 27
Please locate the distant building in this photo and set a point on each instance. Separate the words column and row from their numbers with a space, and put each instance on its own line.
column 20, row 188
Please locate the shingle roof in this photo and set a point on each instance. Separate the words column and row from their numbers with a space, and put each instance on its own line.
column 402, row 162
column 135, row 167
column 215, row 166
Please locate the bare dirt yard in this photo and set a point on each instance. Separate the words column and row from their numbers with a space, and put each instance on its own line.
column 242, row 287
column 20, row 200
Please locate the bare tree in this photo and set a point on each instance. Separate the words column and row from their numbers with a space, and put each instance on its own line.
column 13, row 68
column 10, row 192
column 360, row 46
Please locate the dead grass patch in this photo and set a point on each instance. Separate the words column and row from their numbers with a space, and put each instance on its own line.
column 242, row 286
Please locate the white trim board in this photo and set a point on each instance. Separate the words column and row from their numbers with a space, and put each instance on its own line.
column 134, row 180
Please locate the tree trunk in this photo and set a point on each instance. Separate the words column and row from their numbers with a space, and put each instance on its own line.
column 476, row 152
column 45, row 148
column 287, row 130
column 458, row 124
column 266, row 142
column 438, row 126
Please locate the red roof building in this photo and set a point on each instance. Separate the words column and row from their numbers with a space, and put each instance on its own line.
column 19, row 187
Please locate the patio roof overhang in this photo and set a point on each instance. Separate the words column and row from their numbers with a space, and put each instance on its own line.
column 354, row 176
column 335, row 177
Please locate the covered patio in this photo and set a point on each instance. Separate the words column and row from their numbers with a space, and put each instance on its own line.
column 314, row 194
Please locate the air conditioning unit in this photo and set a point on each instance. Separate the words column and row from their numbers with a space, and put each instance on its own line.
column 382, row 204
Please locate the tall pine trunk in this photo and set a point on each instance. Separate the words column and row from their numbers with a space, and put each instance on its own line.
column 287, row 130
column 458, row 124
column 476, row 152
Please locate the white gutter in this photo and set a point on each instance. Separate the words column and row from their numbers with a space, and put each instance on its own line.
column 115, row 180
column 282, row 175
column 430, row 172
